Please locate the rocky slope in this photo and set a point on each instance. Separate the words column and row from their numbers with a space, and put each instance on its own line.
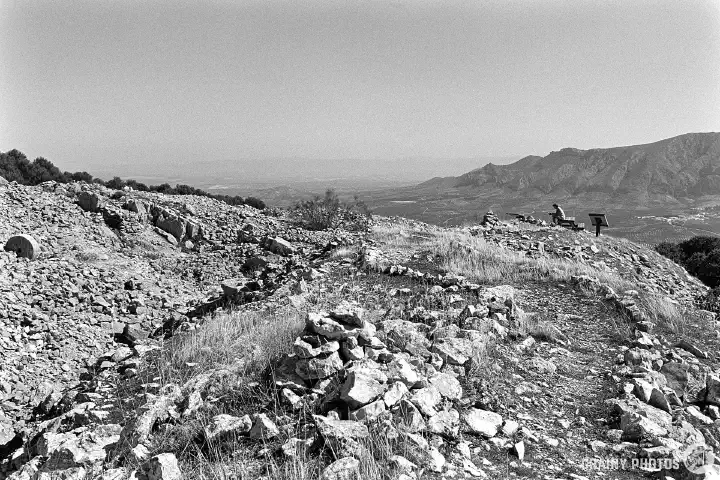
column 409, row 360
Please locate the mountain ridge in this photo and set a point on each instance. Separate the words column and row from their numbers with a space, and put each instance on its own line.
column 687, row 165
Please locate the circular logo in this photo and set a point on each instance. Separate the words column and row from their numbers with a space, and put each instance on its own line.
column 698, row 459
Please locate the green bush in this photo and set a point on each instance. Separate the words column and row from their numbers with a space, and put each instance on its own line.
column 15, row 167
column 699, row 255
column 323, row 213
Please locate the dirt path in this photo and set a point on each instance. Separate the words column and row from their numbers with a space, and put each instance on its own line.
column 564, row 409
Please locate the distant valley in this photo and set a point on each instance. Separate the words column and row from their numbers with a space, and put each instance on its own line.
column 664, row 190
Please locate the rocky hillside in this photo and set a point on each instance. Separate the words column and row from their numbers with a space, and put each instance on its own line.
column 145, row 336
column 638, row 175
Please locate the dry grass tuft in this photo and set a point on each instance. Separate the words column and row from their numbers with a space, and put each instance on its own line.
column 665, row 313
column 263, row 337
column 486, row 263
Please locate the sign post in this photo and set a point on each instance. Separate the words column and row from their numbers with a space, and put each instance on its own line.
column 599, row 220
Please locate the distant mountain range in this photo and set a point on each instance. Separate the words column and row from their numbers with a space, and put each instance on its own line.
column 675, row 170
column 640, row 187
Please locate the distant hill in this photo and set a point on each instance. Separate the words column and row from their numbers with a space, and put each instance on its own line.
column 671, row 170
column 658, row 191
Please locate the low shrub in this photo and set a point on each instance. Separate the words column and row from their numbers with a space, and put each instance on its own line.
column 328, row 212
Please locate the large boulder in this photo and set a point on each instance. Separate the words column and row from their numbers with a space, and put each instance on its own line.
column 172, row 224
column 280, row 246
column 90, row 201
column 24, row 246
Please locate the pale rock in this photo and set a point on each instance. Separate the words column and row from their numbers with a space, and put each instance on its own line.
column 293, row 399
column 224, row 425
column 445, row 422
column 360, row 389
column 351, row 350
column 483, row 422
column 370, row 412
column 303, row 349
column 448, row 386
column 296, row 447
column 263, row 428
column 408, row 418
column 348, row 313
column 510, row 427
column 400, row 370
column 318, row 367
column 395, row 393
column 342, row 436
column 456, row 351
column 695, row 413
column 322, row 325
column 712, row 389
column 402, row 464
column 427, row 399
column 162, row 467
column 346, row 468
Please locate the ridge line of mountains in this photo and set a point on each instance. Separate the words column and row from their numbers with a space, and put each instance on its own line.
column 685, row 166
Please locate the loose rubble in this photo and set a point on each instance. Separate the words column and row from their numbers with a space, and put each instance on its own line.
column 93, row 280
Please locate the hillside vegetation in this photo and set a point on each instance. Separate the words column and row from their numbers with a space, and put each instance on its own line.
column 158, row 337
column 15, row 167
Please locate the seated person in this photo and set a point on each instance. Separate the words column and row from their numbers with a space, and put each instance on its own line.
column 558, row 215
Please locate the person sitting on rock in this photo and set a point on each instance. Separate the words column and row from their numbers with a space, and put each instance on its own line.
column 558, row 214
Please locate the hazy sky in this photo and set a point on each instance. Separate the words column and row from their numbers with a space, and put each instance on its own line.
column 144, row 84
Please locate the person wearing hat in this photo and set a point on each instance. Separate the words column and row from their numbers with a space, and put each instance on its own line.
column 558, row 215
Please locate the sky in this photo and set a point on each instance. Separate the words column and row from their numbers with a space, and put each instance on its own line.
column 269, row 86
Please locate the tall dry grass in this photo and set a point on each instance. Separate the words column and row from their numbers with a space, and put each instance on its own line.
column 484, row 262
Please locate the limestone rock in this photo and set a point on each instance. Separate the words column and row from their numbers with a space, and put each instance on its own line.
column 346, row 468
column 348, row 313
column 483, row 422
column 162, row 467
column 456, row 351
column 334, row 330
column 448, row 386
column 408, row 418
column 446, row 422
column 281, row 246
column 319, row 367
column 360, row 389
column 263, row 428
column 370, row 412
column 90, row 201
column 712, row 389
column 341, row 436
column 223, row 425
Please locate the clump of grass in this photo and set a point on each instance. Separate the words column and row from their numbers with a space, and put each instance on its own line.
column 540, row 326
column 486, row 263
column 344, row 252
column 399, row 236
column 664, row 312
column 262, row 336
